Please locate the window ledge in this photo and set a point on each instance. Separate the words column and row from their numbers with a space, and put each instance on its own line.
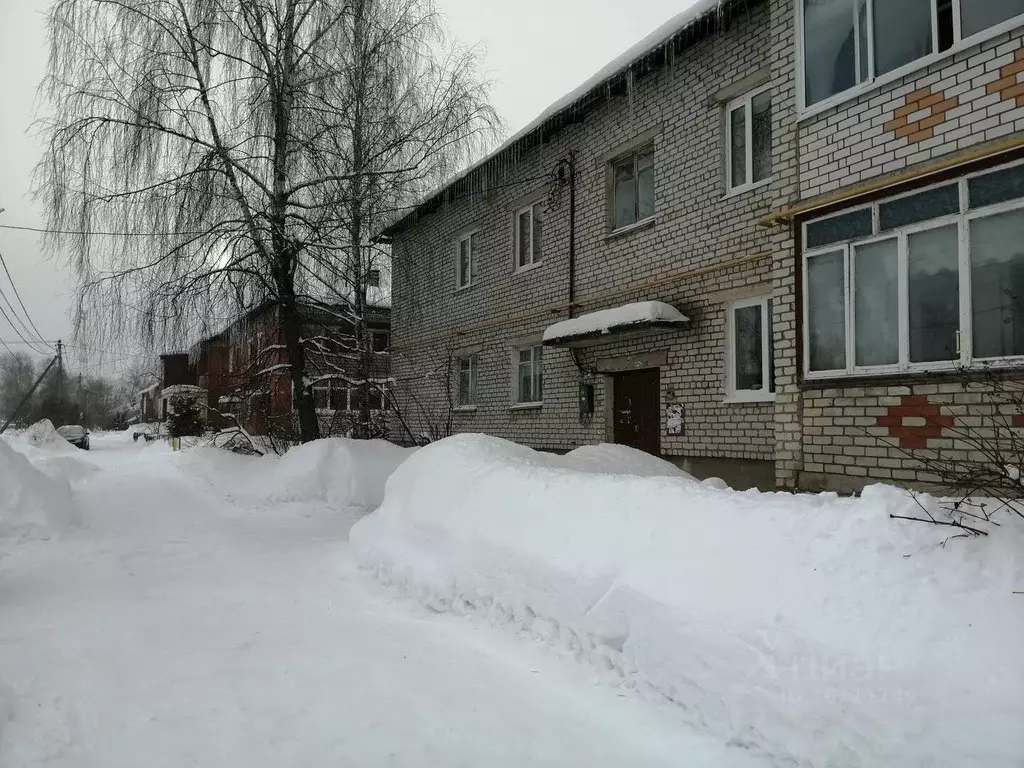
column 460, row 289
column 737, row 191
column 465, row 409
column 650, row 221
column 528, row 267
column 526, row 406
column 749, row 399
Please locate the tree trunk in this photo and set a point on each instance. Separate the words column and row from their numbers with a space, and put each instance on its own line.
column 356, row 226
column 302, row 395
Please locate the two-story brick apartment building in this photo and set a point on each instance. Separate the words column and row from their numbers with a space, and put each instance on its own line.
column 801, row 214
column 241, row 372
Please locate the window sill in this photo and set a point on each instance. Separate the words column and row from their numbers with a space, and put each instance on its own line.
column 806, row 112
column 650, row 221
column 526, row 406
column 527, row 268
column 465, row 409
column 754, row 398
column 737, row 191
column 461, row 289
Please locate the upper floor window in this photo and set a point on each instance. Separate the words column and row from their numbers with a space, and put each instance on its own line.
column 467, row 381
column 529, row 235
column 633, row 188
column 934, row 280
column 848, row 42
column 529, row 374
column 749, row 140
column 464, row 257
column 373, row 278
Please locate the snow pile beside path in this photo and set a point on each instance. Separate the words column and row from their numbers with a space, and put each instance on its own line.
column 43, row 436
column 32, row 504
column 620, row 460
column 338, row 472
column 813, row 629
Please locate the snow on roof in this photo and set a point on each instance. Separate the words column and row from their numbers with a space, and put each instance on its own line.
column 607, row 320
column 662, row 35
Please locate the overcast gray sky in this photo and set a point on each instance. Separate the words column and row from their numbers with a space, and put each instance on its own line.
column 536, row 50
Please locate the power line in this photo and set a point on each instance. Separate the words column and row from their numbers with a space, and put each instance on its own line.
column 17, row 295
column 3, row 313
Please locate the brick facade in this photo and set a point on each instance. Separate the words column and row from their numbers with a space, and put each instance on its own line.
column 703, row 249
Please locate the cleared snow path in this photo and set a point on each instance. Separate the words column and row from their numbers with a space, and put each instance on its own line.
column 179, row 626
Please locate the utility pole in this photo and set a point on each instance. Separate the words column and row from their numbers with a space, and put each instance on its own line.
column 60, row 382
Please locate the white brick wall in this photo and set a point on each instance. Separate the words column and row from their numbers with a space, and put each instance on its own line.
column 674, row 260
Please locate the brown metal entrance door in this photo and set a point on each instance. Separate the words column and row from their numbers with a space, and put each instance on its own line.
column 637, row 396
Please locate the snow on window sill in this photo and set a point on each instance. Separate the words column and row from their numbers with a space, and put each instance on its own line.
column 737, row 191
column 650, row 221
column 465, row 409
column 526, row 406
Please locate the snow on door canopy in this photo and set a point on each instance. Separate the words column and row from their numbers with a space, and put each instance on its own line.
column 642, row 314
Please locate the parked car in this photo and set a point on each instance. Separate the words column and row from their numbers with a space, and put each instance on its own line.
column 77, row 435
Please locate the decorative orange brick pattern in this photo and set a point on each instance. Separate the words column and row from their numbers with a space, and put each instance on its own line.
column 915, row 420
column 921, row 112
column 1010, row 85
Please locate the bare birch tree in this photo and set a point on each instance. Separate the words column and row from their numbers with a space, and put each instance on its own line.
column 208, row 155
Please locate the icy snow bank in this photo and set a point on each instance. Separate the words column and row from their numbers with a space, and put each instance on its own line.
column 32, row 504
column 337, row 471
column 811, row 628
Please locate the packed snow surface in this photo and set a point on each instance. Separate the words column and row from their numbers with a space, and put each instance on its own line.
column 605, row 320
column 811, row 629
column 193, row 622
column 336, row 471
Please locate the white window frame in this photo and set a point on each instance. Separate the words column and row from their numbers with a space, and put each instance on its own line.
column 536, row 374
column 766, row 393
column 805, row 110
column 633, row 156
column 746, row 101
column 534, row 259
column 963, row 219
column 473, row 367
column 470, row 237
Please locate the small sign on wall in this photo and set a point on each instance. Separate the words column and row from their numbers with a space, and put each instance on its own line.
column 675, row 416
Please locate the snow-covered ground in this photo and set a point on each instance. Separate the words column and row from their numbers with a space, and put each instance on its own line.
column 812, row 629
column 203, row 609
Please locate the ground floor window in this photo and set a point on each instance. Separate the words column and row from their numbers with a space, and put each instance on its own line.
column 467, row 381
column 529, row 374
column 931, row 280
column 749, row 349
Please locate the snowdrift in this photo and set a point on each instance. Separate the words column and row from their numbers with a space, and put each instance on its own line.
column 43, row 436
column 338, row 472
column 812, row 629
column 32, row 504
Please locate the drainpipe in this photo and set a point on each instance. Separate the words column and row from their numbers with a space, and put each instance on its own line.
column 569, row 165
